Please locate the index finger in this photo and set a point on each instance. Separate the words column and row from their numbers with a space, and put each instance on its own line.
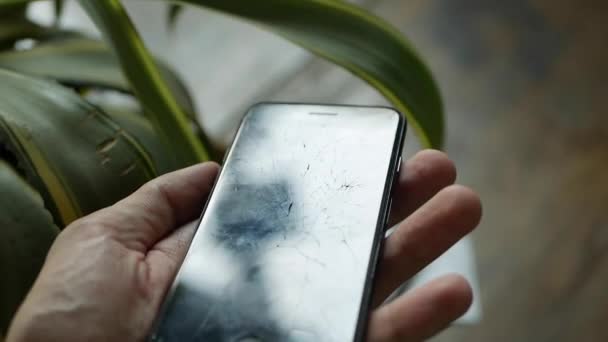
column 421, row 177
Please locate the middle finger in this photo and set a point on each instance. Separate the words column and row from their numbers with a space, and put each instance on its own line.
column 425, row 235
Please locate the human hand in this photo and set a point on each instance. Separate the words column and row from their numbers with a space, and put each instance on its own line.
column 107, row 274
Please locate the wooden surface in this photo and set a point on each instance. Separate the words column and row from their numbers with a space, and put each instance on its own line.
column 525, row 85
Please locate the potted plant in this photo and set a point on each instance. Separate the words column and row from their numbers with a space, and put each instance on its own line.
column 65, row 152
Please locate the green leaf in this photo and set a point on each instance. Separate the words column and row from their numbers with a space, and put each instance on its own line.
column 13, row 9
column 26, row 233
column 138, row 65
column 340, row 32
column 85, row 62
column 72, row 153
column 59, row 6
column 173, row 13
column 14, row 29
column 360, row 42
column 142, row 130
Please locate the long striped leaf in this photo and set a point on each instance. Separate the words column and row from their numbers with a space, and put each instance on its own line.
column 12, row 29
column 26, row 233
column 59, row 6
column 75, row 155
column 141, row 129
column 173, row 13
column 140, row 69
column 13, row 9
column 338, row 31
column 85, row 62
column 360, row 42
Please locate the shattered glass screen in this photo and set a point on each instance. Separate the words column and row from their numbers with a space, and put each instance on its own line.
column 282, row 252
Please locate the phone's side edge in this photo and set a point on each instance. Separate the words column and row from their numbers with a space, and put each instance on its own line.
column 378, row 244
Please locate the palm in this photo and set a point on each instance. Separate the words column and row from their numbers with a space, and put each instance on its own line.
column 106, row 275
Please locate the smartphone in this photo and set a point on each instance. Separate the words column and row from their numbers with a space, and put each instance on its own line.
column 288, row 243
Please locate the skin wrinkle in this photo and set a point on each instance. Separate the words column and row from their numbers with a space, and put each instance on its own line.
column 143, row 275
column 159, row 214
column 449, row 211
column 95, row 251
column 437, row 225
column 449, row 294
column 172, row 251
column 427, row 173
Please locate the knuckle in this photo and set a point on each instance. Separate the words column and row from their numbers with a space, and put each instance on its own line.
column 463, row 200
column 434, row 164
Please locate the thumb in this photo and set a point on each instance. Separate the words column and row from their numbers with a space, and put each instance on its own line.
column 151, row 213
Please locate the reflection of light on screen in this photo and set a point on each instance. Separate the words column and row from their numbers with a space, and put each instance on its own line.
column 290, row 228
column 209, row 272
column 335, row 199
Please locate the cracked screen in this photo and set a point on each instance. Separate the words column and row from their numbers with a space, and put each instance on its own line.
column 283, row 249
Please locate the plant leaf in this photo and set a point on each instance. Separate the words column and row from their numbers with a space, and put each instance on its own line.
column 59, row 6
column 360, row 42
column 173, row 13
column 142, row 130
column 14, row 29
column 85, row 62
column 13, row 23
column 13, row 9
column 82, row 62
column 138, row 65
column 340, row 32
column 72, row 153
column 27, row 231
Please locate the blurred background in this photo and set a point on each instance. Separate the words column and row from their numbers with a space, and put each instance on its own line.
column 524, row 84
